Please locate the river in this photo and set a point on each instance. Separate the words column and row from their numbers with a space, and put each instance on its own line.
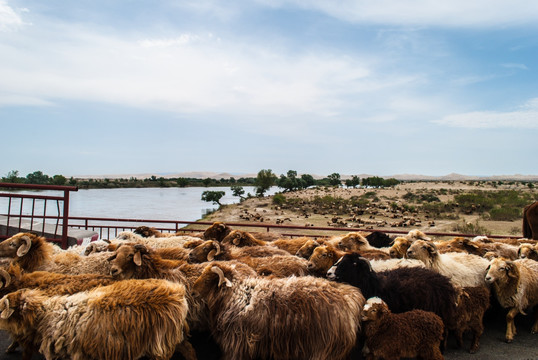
column 140, row 203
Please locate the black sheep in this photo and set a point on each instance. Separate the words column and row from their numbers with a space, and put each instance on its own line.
column 379, row 239
column 403, row 289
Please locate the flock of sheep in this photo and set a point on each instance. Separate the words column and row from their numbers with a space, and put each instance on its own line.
column 149, row 294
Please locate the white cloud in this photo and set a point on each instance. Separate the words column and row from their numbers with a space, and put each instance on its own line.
column 526, row 117
column 9, row 19
column 515, row 66
column 423, row 12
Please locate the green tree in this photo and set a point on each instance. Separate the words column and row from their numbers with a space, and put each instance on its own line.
column 206, row 182
column 182, row 182
column 37, row 177
column 308, row 180
column 237, row 191
column 290, row 182
column 59, row 180
column 12, row 177
column 334, row 179
column 264, row 180
column 213, row 196
column 353, row 182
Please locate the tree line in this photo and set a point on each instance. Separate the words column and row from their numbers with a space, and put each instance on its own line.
column 264, row 180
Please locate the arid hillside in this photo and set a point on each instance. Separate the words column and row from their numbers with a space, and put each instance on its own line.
column 470, row 207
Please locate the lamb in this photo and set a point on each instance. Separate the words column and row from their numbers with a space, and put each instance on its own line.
column 403, row 289
column 107, row 322
column 464, row 270
column 290, row 318
column 415, row 333
column 515, row 284
column 32, row 252
column 471, row 305
column 294, row 246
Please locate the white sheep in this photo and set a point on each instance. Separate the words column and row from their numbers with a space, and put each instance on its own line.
column 516, row 287
column 464, row 270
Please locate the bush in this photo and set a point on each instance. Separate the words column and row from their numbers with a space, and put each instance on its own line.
column 505, row 214
column 470, row 228
column 279, row 199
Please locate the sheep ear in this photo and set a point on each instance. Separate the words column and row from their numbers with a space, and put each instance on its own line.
column 6, row 310
column 6, row 277
column 431, row 248
column 510, row 269
column 25, row 247
column 137, row 258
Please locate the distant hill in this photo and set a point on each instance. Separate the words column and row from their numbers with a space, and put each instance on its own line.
column 401, row 177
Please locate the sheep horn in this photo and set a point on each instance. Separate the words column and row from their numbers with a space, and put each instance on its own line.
column 236, row 241
column 89, row 249
column 6, row 311
column 222, row 278
column 7, row 278
column 25, row 247
column 211, row 255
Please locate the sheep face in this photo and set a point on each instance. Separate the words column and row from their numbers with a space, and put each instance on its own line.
column 322, row 259
column 422, row 250
column 211, row 278
column 374, row 309
column 126, row 259
column 352, row 242
column 399, row 247
column 217, row 231
column 500, row 269
column 18, row 245
column 307, row 249
column 527, row 251
column 207, row 251
column 349, row 266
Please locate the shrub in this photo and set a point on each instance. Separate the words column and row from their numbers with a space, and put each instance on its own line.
column 279, row 199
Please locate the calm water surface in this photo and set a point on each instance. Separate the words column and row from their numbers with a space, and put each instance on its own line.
column 145, row 203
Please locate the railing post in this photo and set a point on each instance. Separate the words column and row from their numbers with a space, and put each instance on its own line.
column 65, row 219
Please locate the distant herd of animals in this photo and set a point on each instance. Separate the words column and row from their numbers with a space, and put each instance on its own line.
column 231, row 294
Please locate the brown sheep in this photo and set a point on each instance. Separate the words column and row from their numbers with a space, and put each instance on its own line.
column 399, row 247
column 211, row 250
column 242, row 238
column 307, row 249
column 147, row 231
column 106, row 322
column 282, row 319
column 415, row 333
column 528, row 251
column 32, row 252
column 294, row 245
column 278, row 266
column 515, row 284
column 217, row 231
column 476, row 247
column 471, row 305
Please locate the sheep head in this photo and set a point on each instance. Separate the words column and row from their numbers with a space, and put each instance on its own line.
column 217, row 231
column 126, row 259
column 424, row 251
column 374, row 309
column 417, row 235
column 501, row 270
column 307, row 249
column 527, row 251
column 146, row 231
column 352, row 241
column 323, row 257
column 18, row 245
column 399, row 247
column 212, row 277
column 207, row 251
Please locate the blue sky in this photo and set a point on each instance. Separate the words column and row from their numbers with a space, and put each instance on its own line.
column 379, row 87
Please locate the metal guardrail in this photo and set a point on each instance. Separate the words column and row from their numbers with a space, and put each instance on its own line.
column 15, row 220
column 111, row 230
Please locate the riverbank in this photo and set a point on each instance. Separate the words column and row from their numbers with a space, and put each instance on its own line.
column 429, row 206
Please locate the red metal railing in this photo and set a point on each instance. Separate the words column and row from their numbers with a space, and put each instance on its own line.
column 13, row 220
column 110, row 230
column 109, row 227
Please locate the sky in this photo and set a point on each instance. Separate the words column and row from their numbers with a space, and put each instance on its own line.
column 385, row 87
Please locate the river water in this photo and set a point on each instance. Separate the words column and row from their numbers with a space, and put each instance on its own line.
column 138, row 203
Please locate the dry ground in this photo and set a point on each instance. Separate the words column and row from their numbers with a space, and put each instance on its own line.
column 378, row 216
